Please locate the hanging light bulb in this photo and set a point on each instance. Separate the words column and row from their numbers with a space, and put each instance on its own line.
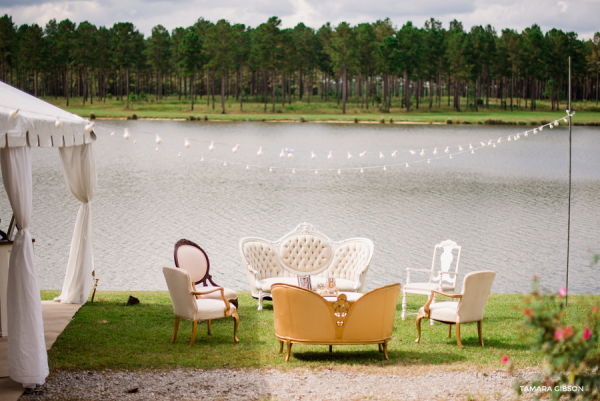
column 126, row 134
column 535, row 132
column 490, row 143
column 406, row 165
column 247, row 168
column 158, row 139
column 59, row 124
column 472, row 151
column 225, row 163
column 339, row 171
column 202, row 160
column 381, row 156
column 290, row 155
column 451, row 157
column 270, row 169
column 556, row 123
column 422, row 152
column 494, row 145
column 541, row 129
column 551, row 126
column 313, row 155
column 384, row 168
column 211, row 147
column 565, row 119
column 394, row 153
column 235, row 149
column 330, row 155
column 470, row 147
column 447, row 150
column 362, row 170
column 13, row 114
column 435, row 151
column 179, row 155
column 412, row 152
column 112, row 133
column 349, row 156
column 460, row 148
column 157, row 148
column 282, row 154
column 187, row 143
column 260, row 152
column 428, row 161
column 362, row 154
column 293, row 171
column 316, row 171
column 89, row 127
column 482, row 144
column 499, row 140
column 509, row 138
column 134, row 141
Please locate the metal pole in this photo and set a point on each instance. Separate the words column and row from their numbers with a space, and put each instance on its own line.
column 569, row 203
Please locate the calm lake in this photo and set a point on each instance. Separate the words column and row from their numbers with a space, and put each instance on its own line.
column 506, row 206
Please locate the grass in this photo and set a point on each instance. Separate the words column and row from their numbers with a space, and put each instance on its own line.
column 107, row 334
column 320, row 111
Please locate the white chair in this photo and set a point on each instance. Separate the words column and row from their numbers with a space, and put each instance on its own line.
column 187, row 306
column 469, row 308
column 442, row 280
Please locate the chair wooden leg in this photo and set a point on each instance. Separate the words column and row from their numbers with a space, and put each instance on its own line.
column 458, row 336
column 260, row 299
column 449, row 330
column 403, row 305
column 479, row 331
column 235, row 328
column 289, row 350
column 419, row 328
column 380, row 347
column 331, row 348
column 194, row 328
column 385, row 354
column 175, row 330
column 280, row 346
column 208, row 327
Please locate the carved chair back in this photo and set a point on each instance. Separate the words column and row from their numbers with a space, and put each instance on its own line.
column 190, row 257
column 445, row 250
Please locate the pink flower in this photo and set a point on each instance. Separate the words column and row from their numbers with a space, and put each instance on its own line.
column 535, row 277
column 558, row 334
column 504, row 360
column 595, row 309
column 587, row 333
column 527, row 312
column 562, row 292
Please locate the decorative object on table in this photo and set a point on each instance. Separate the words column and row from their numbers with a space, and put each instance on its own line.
column 442, row 280
column 368, row 320
column 469, row 308
column 191, row 257
column 304, row 282
column 304, row 251
column 330, row 287
column 186, row 305
column 320, row 288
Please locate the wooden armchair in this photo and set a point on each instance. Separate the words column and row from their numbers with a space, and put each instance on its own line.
column 469, row 307
column 304, row 317
column 186, row 305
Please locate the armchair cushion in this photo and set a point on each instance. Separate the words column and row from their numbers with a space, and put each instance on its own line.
column 265, row 284
column 442, row 311
column 211, row 309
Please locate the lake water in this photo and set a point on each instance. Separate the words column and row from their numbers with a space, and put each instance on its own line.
column 506, row 206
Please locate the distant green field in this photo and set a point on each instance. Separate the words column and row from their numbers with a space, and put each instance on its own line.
column 317, row 110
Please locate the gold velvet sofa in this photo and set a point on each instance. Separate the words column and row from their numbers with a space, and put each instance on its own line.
column 305, row 252
column 304, row 317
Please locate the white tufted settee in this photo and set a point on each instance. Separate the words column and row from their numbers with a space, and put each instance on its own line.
column 304, row 252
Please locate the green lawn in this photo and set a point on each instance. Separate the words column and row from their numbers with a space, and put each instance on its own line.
column 107, row 334
column 173, row 108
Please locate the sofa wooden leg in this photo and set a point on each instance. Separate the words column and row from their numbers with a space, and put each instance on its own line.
column 289, row 350
column 458, row 336
column 385, row 354
column 280, row 346
column 479, row 331
column 449, row 330
column 419, row 328
column 235, row 328
column 194, row 328
column 208, row 328
column 175, row 330
column 331, row 348
column 380, row 347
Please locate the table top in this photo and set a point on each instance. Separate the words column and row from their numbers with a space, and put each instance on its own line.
column 350, row 296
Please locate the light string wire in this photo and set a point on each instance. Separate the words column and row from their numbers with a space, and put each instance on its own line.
column 287, row 152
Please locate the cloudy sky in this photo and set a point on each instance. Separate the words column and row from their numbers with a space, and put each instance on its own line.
column 581, row 16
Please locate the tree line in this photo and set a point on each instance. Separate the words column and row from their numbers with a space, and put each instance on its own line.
column 367, row 64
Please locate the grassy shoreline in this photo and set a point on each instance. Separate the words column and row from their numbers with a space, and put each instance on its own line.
column 107, row 334
column 172, row 108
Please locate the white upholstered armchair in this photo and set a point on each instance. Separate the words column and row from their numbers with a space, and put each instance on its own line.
column 305, row 252
column 469, row 307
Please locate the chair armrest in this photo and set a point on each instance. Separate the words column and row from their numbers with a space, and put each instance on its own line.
column 255, row 272
column 426, row 307
column 227, row 306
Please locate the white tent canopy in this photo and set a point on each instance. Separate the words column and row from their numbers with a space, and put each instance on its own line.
column 26, row 122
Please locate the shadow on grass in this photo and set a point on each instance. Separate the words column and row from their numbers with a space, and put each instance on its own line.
column 371, row 357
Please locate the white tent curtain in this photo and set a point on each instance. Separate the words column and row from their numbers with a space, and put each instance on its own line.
column 27, row 358
column 79, row 168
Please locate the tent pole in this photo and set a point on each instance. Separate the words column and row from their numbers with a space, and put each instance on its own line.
column 569, row 202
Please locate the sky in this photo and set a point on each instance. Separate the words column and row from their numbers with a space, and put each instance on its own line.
column 581, row 16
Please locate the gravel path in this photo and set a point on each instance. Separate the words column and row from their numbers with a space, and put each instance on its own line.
column 223, row 384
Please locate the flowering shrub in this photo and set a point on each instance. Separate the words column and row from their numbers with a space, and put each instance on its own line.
column 572, row 358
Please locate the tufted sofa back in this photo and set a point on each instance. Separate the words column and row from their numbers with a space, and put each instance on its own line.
column 350, row 259
column 261, row 256
column 305, row 254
